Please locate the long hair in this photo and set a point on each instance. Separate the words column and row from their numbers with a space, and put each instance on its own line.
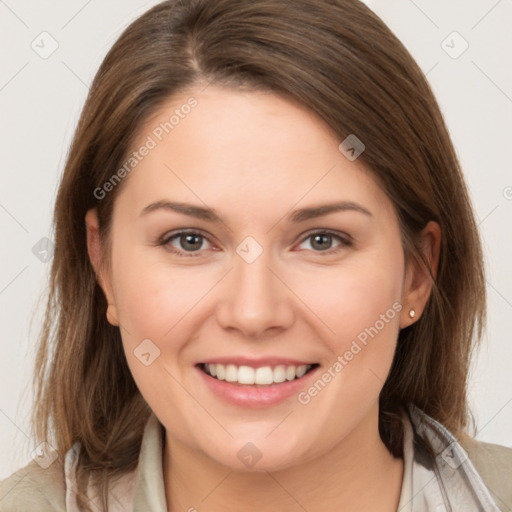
column 341, row 61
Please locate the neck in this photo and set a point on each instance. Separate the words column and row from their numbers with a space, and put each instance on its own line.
column 358, row 474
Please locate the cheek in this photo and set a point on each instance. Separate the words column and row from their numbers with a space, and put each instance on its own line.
column 153, row 301
column 153, row 296
column 350, row 299
column 362, row 305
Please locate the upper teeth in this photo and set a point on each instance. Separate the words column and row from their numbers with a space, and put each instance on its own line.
column 261, row 375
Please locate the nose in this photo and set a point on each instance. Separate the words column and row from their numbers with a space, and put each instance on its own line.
column 255, row 299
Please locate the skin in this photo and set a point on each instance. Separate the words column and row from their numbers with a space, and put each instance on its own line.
column 254, row 158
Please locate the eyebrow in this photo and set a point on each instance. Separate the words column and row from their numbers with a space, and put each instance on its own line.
column 300, row 215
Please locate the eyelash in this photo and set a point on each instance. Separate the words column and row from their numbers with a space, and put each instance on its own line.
column 165, row 241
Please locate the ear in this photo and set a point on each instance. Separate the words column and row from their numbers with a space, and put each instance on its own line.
column 418, row 281
column 94, row 251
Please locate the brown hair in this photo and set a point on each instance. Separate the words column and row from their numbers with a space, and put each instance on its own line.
column 340, row 60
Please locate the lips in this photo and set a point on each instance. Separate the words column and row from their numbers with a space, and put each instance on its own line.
column 246, row 388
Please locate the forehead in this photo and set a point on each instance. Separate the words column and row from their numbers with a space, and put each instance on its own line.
column 236, row 149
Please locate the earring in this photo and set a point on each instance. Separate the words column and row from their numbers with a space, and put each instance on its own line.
column 412, row 313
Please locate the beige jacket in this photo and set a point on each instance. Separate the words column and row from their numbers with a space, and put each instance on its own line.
column 33, row 488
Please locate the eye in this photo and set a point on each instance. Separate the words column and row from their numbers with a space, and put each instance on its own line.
column 184, row 243
column 191, row 243
column 322, row 241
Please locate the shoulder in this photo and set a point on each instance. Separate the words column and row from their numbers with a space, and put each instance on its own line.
column 493, row 463
column 34, row 488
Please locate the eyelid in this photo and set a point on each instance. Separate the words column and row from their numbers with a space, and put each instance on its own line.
column 185, row 231
column 326, row 231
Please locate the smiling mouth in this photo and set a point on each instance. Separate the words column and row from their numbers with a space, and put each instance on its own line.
column 261, row 376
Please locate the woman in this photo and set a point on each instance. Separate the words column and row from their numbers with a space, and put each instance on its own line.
column 267, row 279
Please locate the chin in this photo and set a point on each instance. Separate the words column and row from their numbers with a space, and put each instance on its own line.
column 263, row 455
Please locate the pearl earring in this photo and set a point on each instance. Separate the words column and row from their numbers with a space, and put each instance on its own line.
column 412, row 313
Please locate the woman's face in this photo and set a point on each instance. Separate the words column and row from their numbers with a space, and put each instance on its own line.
column 293, row 257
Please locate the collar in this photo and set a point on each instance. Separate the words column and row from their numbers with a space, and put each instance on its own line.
column 149, row 486
column 442, row 477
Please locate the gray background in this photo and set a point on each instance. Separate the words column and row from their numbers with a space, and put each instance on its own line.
column 40, row 99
